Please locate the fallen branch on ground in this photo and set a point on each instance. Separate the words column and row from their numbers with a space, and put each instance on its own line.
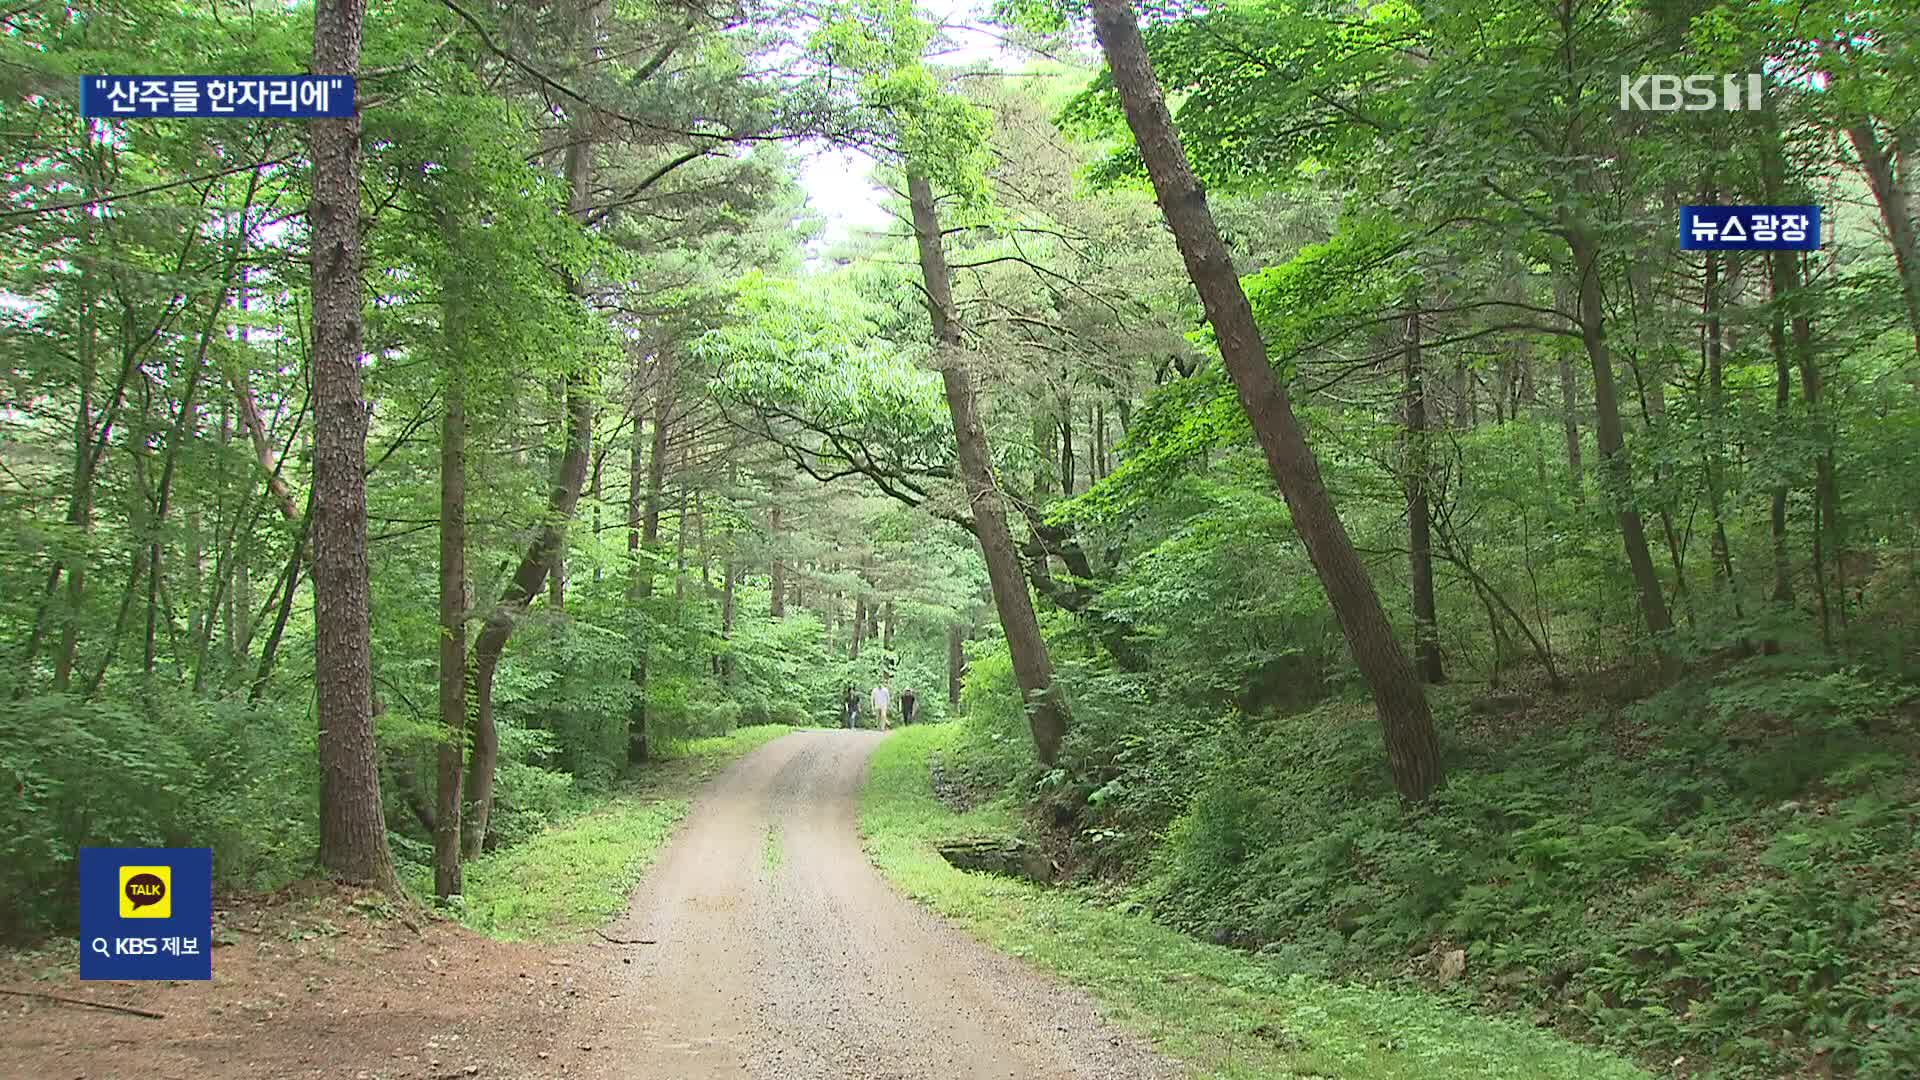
column 628, row 941
column 91, row 1004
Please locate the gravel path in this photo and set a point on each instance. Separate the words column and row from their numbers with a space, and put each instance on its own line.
column 781, row 955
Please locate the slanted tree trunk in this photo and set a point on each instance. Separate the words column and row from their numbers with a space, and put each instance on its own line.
column 1426, row 630
column 542, row 556
column 1032, row 667
column 1609, row 433
column 1896, row 213
column 353, row 826
column 499, row 624
column 1412, row 747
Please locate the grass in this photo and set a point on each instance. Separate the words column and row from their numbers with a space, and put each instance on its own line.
column 1228, row 1014
column 578, row 874
column 774, row 854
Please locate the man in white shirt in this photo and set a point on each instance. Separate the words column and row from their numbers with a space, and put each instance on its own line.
column 881, row 696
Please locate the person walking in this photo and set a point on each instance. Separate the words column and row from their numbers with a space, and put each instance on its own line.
column 851, row 707
column 881, row 697
column 907, row 702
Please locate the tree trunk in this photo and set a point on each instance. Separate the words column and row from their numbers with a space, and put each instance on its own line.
column 637, row 747
column 186, row 428
column 1426, row 631
column 956, row 664
column 1786, row 280
column 1716, row 468
column 728, row 575
column 1609, row 434
column 1570, row 426
column 778, row 571
column 1825, row 483
column 886, row 627
column 859, row 626
column 453, row 622
column 353, row 826
column 297, row 558
column 1067, row 462
column 542, row 556
column 1412, row 747
column 557, row 573
column 637, row 577
column 527, row 579
column 1896, row 213
column 700, row 543
column 1099, row 441
column 1782, row 400
column 1032, row 667
column 1046, row 434
column 680, row 538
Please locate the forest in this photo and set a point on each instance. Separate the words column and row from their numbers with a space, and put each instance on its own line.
column 1283, row 443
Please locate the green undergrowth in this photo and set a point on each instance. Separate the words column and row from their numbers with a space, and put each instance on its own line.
column 577, row 873
column 1721, row 876
column 1721, row 879
column 1228, row 1014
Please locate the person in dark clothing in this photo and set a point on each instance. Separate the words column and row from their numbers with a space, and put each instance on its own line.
column 851, row 707
column 907, row 702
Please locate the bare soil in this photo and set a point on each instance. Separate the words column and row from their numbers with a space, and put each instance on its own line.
column 320, row 985
column 772, row 951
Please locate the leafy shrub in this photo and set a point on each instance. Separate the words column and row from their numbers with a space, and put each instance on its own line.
column 1705, row 874
column 162, row 772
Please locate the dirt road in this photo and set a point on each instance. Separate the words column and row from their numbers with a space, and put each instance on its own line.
column 778, row 954
column 781, row 955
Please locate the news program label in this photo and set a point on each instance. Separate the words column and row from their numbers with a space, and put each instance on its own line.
column 1750, row 228
column 146, row 913
column 287, row 96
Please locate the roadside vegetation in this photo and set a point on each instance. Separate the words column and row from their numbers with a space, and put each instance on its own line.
column 1718, row 878
column 1234, row 1015
column 578, row 872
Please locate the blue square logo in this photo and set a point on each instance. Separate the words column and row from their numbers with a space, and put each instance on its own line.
column 146, row 913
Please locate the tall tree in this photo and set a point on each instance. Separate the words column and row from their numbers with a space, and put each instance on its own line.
column 353, row 828
column 1413, row 749
column 1032, row 667
column 1426, row 631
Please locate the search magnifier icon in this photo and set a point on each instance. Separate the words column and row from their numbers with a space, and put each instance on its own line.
column 100, row 946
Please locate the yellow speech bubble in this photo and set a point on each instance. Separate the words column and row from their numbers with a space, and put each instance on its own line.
column 146, row 892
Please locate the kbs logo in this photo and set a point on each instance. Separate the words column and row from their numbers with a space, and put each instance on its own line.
column 146, row 892
column 1691, row 93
